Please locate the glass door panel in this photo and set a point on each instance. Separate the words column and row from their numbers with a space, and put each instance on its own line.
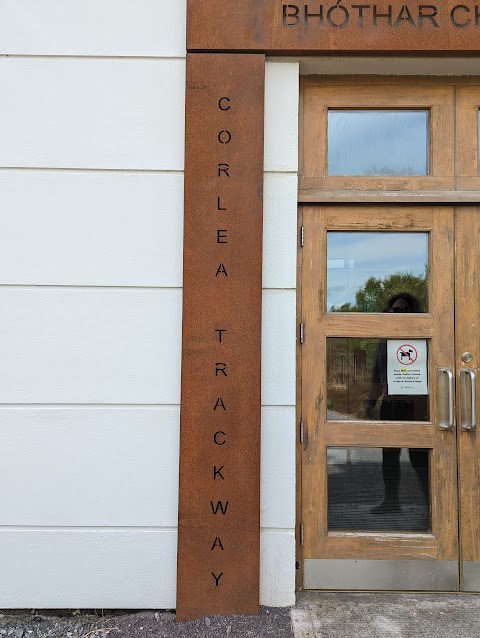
column 378, row 489
column 360, row 279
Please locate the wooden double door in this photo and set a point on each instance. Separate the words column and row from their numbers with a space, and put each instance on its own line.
column 389, row 479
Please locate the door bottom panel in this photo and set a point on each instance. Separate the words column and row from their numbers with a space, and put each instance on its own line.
column 396, row 575
column 471, row 576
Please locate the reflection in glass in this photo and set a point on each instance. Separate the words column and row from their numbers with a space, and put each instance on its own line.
column 375, row 489
column 377, row 142
column 357, row 386
column 365, row 269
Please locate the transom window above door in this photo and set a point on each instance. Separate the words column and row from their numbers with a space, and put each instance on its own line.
column 378, row 142
column 392, row 135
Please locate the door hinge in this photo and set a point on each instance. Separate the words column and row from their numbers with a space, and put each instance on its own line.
column 302, row 332
column 302, row 533
column 302, row 236
column 301, row 432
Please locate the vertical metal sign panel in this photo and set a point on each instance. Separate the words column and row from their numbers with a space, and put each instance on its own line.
column 219, row 508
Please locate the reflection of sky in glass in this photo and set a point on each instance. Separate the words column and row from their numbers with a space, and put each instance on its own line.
column 375, row 142
column 354, row 257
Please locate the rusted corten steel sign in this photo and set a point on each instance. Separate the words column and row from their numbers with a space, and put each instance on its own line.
column 219, row 508
column 276, row 27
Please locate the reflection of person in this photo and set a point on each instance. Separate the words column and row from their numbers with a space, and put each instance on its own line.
column 397, row 408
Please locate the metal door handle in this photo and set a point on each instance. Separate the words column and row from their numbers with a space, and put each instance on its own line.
column 445, row 399
column 467, row 397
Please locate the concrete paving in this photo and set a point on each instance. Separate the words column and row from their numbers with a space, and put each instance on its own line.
column 316, row 615
column 386, row 615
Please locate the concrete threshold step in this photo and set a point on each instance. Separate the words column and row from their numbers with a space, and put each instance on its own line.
column 386, row 615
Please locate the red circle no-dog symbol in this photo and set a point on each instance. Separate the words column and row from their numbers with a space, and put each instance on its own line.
column 407, row 354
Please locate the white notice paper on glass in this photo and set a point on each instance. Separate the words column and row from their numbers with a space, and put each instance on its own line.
column 407, row 366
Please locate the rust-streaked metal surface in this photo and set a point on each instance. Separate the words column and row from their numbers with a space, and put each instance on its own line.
column 273, row 26
column 218, row 553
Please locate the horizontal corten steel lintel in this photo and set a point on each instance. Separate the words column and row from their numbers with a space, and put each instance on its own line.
column 407, row 27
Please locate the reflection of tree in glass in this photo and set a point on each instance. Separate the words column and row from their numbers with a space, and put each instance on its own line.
column 350, row 363
column 375, row 292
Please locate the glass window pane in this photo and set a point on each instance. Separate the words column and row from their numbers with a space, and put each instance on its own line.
column 365, row 270
column 358, row 384
column 378, row 489
column 377, row 142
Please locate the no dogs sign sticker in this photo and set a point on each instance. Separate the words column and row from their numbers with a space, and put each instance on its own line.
column 407, row 354
column 407, row 367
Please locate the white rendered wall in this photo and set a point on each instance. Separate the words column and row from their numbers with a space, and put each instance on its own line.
column 91, row 211
column 277, row 579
